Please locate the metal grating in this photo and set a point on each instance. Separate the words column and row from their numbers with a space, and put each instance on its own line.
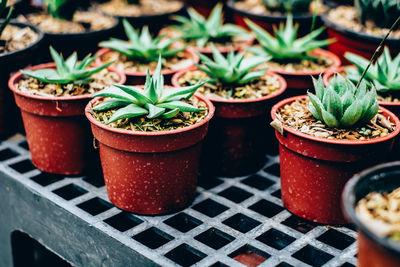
column 231, row 220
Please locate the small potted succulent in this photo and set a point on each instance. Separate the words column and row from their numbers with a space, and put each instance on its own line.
column 65, row 26
column 325, row 139
column 296, row 59
column 52, row 98
column 139, row 13
column 19, row 43
column 199, row 32
column 242, row 95
column 150, row 143
column 359, row 28
column 141, row 52
column 270, row 13
column 371, row 201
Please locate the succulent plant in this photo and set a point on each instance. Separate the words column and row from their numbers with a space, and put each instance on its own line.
column 288, row 6
column 384, row 74
column 61, row 9
column 4, row 9
column 203, row 30
column 154, row 101
column 233, row 69
column 67, row 71
column 284, row 46
column 341, row 103
column 142, row 46
column 382, row 12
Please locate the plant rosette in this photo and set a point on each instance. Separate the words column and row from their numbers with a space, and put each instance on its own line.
column 150, row 172
column 182, row 61
column 238, row 137
column 19, row 53
column 315, row 169
column 355, row 39
column 374, row 247
column 58, row 135
column 266, row 19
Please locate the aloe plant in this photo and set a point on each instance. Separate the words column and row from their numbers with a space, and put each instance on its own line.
column 67, row 71
column 285, row 46
column 154, row 101
column 61, row 9
column 288, row 6
column 142, row 46
column 4, row 9
column 203, row 30
column 382, row 12
column 384, row 74
column 233, row 69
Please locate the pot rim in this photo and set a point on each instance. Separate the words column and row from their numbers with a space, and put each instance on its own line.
column 15, row 53
column 331, row 72
column 225, row 49
column 146, row 16
column 334, row 141
column 278, row 92
column 230, row 4
column 210, row 106
column 349, row 202
column 18, row 75
column 317, row 52
column 354, row 34
column 194, row 56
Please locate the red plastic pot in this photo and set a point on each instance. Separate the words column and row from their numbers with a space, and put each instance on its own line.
column 58, row 135
column 139, row 78
column 150, row 172
column 238, row 141
column 373, row 250
column 355, row 42
column 314, row 170
column 299, row 83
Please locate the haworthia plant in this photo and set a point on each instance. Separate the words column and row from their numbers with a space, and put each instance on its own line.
column 61, row 9
column 142, row 46
column 154, row 101
column 67, row 71
column 7, row 11
column 288, row 6
column 382, row 12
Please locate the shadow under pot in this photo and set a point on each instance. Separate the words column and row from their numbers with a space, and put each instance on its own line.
column 356, row 42
column 314, row 169
column 76, row 35
column 300, row 81
column 136, row 72
column 268, row 21
column 150, row 172
column 12, row 61
column 57, row 132
column 373, row 249
column 238, row 139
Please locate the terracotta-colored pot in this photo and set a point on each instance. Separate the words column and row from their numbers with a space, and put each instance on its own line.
column 299, row 83
column 139, row 78
column 150, row 172
column 58, row 134
column 373, row 250
column 314, row 170
column 9, row 63
column 238, row 141
column 355, row 42
column 267, row 22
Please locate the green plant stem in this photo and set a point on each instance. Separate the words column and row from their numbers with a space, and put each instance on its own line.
column 314, row 18
column 6, row 20
column 377, row 51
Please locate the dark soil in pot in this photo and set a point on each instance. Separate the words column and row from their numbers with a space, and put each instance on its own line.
column 255, row 11
column 317, row 161
column 374, row 247
column 58, row 134
column 154, row 13
column 81, row 34
column 19, row 46
column 239, row 137
column 342, row 24
column 151, row 171
column 136, row 71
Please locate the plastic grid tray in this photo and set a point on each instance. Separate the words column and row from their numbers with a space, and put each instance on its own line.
column 231, row 220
